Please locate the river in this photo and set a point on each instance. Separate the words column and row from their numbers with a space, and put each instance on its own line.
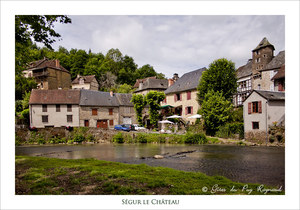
column 262, row 165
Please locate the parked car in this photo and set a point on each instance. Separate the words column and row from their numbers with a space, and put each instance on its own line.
column 137, row 127
column 122, row 128
column 131, row 127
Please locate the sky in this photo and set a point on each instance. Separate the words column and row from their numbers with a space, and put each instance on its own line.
column 174, row 44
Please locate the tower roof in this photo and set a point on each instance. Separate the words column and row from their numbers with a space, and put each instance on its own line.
column 263, row 43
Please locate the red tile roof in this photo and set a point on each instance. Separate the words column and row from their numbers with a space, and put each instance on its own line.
column 280, row 74
column 54, row 97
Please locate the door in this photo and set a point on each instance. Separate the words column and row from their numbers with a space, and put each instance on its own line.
column 126, row 120
column 86, row 123
column 102, row 124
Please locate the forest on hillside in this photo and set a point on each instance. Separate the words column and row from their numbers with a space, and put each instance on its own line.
column 113, row 70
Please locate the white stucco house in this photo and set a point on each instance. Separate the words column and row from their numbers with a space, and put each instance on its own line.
column 262, row 109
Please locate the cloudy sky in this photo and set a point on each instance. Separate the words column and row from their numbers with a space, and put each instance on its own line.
column 174, row 44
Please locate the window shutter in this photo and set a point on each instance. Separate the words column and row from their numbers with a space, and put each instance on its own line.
column 249, row 108
column 259, row 107
column 186, row 110
column 175, row 97
column 180, row 96
column 191, row 110
column 280, row 87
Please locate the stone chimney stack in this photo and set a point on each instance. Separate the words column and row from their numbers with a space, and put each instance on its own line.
column 57, row 63
column 170, row 82
column 175, row 77
column 111, row 93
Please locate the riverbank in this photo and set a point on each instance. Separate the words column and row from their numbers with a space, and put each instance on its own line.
column 39, row 175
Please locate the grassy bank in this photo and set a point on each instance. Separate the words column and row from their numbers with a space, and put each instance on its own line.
column 38, row 175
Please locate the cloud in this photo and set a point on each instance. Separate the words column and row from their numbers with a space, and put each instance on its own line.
column 174, row 43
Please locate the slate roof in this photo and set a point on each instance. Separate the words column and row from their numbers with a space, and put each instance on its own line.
column 280, row 74
column 124, row 99
column 54, row 97
column 188, row 81
column 44, row 63
column 137, row 83
column 152, row 83
column 245, row 70
column 277, row 61
column 271, row 95
column 97, row 98
column 87, row 79
column 263, row 43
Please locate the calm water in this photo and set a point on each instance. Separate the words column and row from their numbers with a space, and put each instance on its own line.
column 263, row 165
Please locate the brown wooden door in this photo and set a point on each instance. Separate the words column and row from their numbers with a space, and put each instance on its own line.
column 102, row 124
column 86, row 123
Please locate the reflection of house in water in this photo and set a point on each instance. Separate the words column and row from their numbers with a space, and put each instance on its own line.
column 181, row 95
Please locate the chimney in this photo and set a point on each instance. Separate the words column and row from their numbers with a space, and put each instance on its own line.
column 170, row 82
column 57, row 63
column 78, row 75
column 175, row 77
column 111, row 93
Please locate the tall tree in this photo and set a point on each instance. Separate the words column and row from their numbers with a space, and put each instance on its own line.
column 220, row 76
column 153, row 99
column 215, row 110
column 139, row 103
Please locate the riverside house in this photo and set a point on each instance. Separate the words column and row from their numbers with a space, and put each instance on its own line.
column 89, row 108
column 146, row 85
column 262, row 109
column 181, row 95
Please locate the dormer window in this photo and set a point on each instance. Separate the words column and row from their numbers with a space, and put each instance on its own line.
column 81, row 81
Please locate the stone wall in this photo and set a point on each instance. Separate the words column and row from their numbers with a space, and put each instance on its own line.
column 101, row 135
column 258, row 137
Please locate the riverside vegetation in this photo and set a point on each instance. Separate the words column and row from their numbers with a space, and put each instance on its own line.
column 39, row 175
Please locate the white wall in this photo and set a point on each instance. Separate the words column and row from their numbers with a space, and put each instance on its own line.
column 56, row 119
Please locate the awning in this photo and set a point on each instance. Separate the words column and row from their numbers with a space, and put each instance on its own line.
column 166, row 106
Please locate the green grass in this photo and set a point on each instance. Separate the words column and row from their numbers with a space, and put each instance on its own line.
column 39, row 175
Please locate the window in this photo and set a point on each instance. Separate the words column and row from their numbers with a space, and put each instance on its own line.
column 94, row 111
column 188, row 95
column 111, row 122
column 69, row 118
column 178, row 98
column 44, row 107
column 86, row 123
column 255, row 125
column 69, row 107
column 258, row 86
column 44, row 118
column 189, row 110
column 254, row 107
column 257, row 60
column 57, row 108
column 110, row 111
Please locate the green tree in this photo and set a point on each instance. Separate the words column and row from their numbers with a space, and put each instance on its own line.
column 153, row 99
column 220, row 76
column 215, row 110
column 145, row 71
column 139, row 103
column 124, row 88
column 38, row 27
column 23, row 85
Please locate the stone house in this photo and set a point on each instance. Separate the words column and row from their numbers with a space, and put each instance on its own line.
column 262, row 109
column 257, row 74
column 49, row 74
column 54, row 108
column 85, row 82
column 80, row 108
column 146, row 85
column 105, row 110
column 181, row 96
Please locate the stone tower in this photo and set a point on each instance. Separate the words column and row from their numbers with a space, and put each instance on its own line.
column 261, row 56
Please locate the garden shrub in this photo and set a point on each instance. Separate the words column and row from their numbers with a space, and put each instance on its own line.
column 230, row 129
column 118, row 138
column 141, row 138
column 271, row 138
column 196, row 138
column 78, row 138
column 90, row 138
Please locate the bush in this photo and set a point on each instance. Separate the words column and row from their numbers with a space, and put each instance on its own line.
column 197, row 138
column 230, row 129
column 118, row 138
column 17, row 140
column 90, row 138
column 271, row 138
column 78, row 138
column 141, row 138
